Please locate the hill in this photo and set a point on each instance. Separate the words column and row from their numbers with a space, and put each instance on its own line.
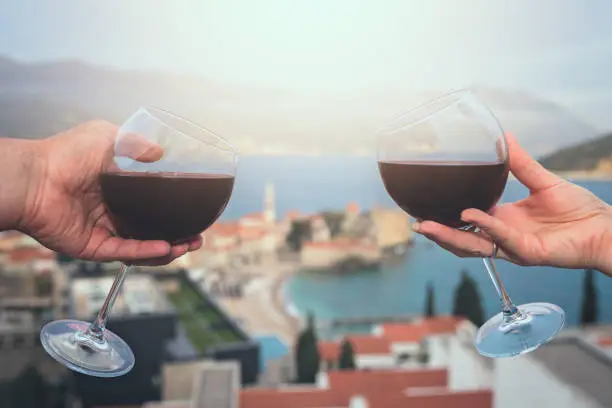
column 592, row 156
column 257, row 120
column 32, row 118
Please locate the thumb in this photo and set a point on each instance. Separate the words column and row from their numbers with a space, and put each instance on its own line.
column 527, row 170
column 138, row 148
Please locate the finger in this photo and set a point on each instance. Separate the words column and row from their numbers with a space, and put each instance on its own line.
column 176, row 252
column 179, row 250
column 527, row 170
column 457, row 252
column 137, row 147
column 506, row 236
column 461, row 243
column 128, row 250
column 195, row 243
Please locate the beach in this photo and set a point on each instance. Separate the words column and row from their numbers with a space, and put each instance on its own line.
column 263, row 310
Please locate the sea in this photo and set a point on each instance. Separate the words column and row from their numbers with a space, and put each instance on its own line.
column 311, row 184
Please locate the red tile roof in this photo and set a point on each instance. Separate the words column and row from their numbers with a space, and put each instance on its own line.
column 392, row 333
column 366, row 382
column 253, row 217
column 248, row 233
column 450, row 399
column 293, row 214
column 370, row 345
column 442, row 324
column 329, row 350
column 605, row 341
column 382, row 389
column 310, row 397
column 353, row 208
column 27, row 254
column 232, row 229
column 223, row 228
column 417, row 331
column 362, row 345
column 404, row 332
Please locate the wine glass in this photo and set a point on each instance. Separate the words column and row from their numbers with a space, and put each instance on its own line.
column 169, row 180
column 443, row 157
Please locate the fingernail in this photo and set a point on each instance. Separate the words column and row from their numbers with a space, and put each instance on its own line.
column 416, row 226
column 465, row 215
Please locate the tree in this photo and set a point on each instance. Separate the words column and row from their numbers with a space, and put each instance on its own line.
column 334, row 221
column 300, row 232
column 430, row 307
column 307, row 354
column 589, row 298
column 467, row 300
column 347, row 356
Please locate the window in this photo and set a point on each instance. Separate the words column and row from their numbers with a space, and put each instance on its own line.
column 403, row 357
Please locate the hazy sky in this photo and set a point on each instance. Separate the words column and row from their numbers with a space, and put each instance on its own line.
column 558, row 49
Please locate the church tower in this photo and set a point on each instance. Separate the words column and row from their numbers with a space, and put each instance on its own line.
column 269, row 204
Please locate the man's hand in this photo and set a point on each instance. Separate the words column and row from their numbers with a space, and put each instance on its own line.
column 63, row 208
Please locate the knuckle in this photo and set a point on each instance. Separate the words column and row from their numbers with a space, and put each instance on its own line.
column 99, row 126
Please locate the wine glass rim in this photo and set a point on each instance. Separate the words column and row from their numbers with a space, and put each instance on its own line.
column 454, row 96
column 149, row 110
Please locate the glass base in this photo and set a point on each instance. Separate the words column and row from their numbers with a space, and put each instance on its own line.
column 67, row 342
column 537, row 324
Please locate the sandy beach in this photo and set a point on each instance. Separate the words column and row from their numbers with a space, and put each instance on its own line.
column 262, row 310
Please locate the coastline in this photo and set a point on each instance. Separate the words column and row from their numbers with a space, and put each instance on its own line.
column 265, row 308
column 283, row 303
column 578, row 175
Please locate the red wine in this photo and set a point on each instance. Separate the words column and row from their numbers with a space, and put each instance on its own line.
column 440, row 191
column 164, row 206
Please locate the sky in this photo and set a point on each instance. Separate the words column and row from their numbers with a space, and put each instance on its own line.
column 557, row 49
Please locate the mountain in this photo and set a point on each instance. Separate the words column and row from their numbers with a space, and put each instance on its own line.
column 591, row 156
column 256, row 120
column 541, row 126
column 32, row 118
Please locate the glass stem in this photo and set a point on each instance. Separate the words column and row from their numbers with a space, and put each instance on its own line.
column 510, row 311
column 96, row 330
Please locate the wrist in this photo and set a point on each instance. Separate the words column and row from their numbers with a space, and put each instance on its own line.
column 20, row 177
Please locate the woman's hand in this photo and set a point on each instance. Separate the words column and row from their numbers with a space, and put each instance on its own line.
column 560, row 224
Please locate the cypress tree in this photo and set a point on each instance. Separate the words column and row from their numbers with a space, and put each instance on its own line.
column 467, row 300
column 589, row 298
column 347, row 356
column 307, row 353
column 430, row 307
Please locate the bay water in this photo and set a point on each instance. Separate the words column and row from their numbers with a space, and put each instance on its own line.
column 311, row 184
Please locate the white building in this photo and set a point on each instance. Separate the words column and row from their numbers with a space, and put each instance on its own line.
column 139, row 294
column 569, row 372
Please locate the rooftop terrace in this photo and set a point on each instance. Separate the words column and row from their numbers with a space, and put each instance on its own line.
column 205, row 326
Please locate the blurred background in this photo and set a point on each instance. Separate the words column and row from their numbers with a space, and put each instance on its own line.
column 311, row 291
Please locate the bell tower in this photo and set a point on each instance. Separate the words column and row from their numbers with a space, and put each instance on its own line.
column 269, row 204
